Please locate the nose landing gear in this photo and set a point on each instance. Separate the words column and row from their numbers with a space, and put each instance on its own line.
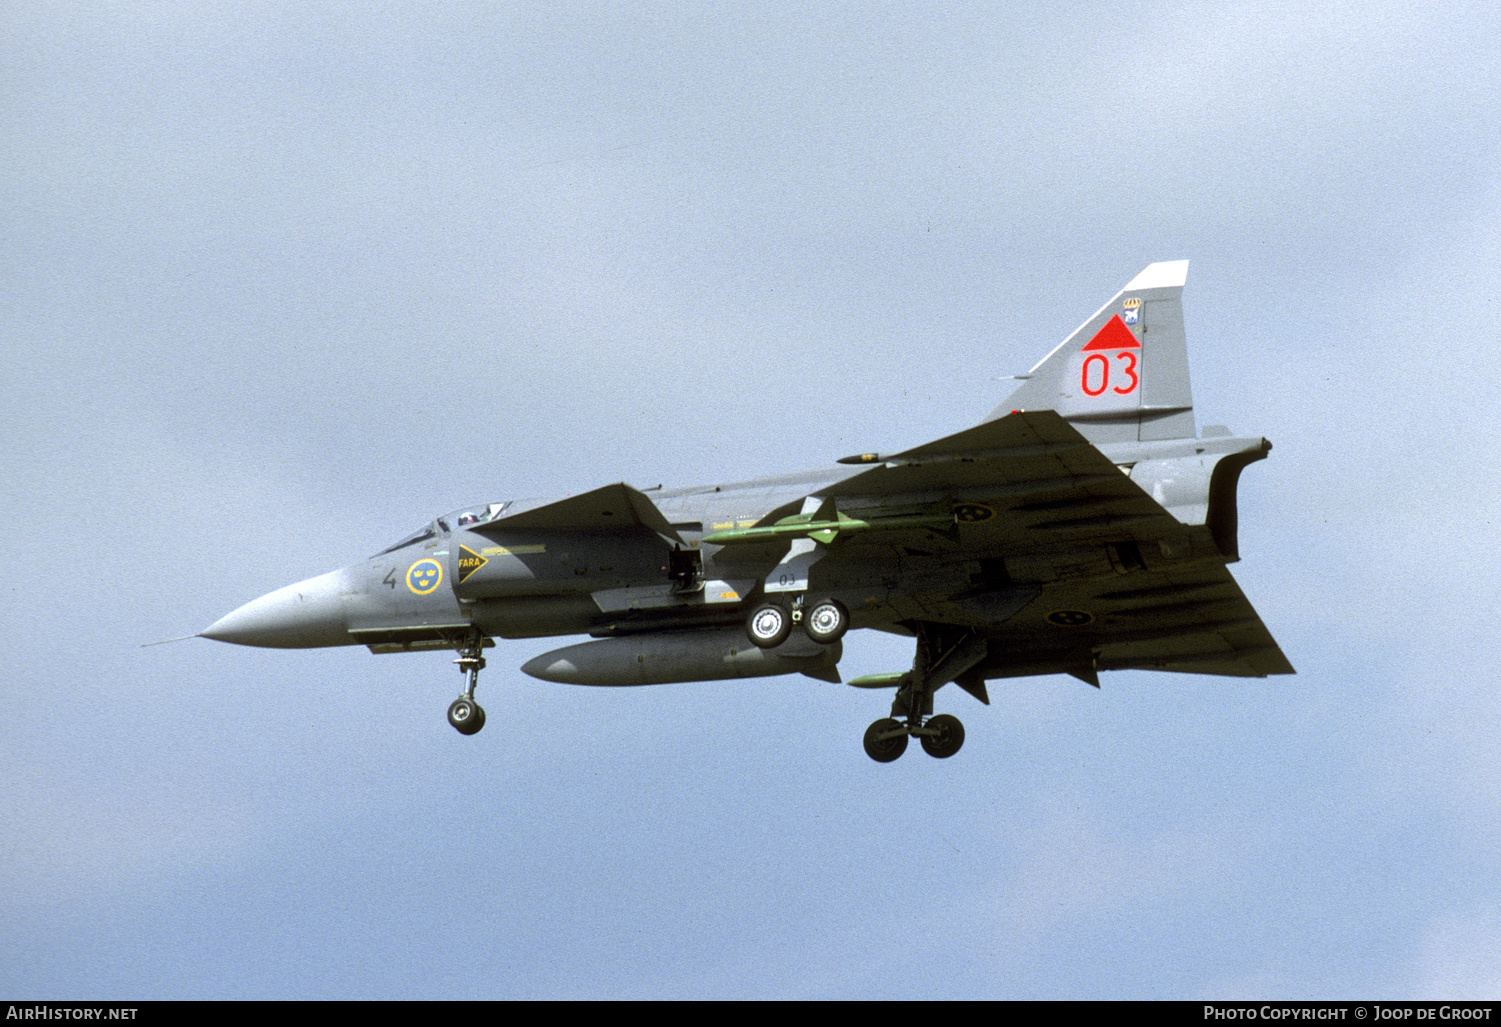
column 466, row 715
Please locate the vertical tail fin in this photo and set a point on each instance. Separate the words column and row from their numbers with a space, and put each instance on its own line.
column 1122, row 376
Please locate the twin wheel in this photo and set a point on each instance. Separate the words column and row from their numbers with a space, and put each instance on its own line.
column 941, row 737
column 824, row 622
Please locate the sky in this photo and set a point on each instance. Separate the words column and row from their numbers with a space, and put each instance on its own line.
column 281, row 282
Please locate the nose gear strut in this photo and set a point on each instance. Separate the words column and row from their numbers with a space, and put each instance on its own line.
column 466, row 715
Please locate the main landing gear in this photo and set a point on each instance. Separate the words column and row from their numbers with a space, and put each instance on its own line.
column 824, row 621
column 466, row 715
column 941, row 736
column 944, row 654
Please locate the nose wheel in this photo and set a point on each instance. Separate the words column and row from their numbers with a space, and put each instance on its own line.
column 466, row 715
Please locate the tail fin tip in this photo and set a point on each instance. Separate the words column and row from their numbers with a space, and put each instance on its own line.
column 1167, row 274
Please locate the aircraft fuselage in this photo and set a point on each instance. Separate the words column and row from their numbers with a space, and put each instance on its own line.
column 1084, row 526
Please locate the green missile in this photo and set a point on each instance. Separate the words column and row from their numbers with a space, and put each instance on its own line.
column 878, row 681
column 825, row 531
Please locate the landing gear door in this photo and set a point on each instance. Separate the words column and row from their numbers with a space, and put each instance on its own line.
column 685, row 568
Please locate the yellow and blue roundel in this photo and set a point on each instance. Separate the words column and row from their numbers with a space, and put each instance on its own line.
column 969, row 513
column 424, row 576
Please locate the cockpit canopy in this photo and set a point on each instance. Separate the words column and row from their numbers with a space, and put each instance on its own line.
column 465, row 518
column 475, row 515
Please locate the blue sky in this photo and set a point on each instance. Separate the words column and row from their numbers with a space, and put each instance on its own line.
column 281, row 282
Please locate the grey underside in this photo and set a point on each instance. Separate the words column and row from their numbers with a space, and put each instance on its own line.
column 1127, row 584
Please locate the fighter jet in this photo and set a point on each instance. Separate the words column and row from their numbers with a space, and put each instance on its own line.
column 1084, row 526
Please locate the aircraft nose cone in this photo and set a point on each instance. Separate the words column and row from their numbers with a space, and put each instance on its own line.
column 306, row 615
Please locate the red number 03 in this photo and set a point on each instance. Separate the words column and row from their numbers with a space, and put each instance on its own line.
column 1102, row 373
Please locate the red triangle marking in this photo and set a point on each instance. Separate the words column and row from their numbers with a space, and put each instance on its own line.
column 1115, row 335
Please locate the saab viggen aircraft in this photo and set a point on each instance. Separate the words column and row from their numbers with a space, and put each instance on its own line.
column 1084, row 526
